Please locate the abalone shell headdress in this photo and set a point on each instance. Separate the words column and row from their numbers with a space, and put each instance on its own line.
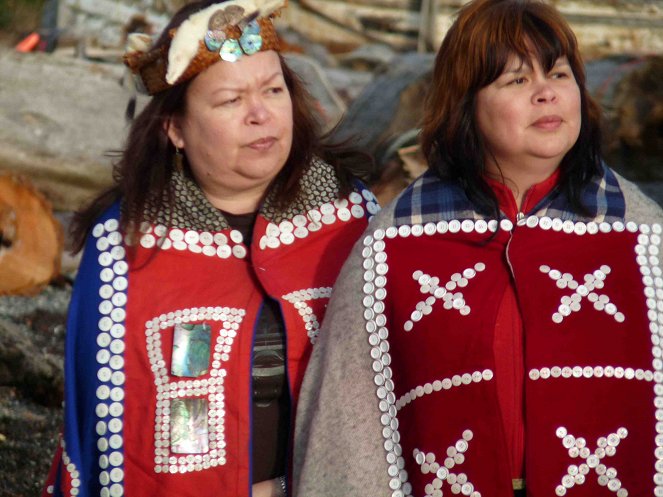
column 223, row 31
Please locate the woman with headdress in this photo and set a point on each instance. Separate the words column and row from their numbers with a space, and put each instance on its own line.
column 206, row 270
column 501, row 320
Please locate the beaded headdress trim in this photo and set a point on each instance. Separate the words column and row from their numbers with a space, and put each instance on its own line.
column 223, row 31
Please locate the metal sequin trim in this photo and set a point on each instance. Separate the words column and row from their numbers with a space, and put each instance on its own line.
column 317, row 205
column 192, row 210
column 212, row 388
column 319, row 185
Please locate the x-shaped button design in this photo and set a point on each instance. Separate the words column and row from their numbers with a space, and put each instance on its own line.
column 577, row 447
column 430, row 285
column 572, row 303
column 458, row 482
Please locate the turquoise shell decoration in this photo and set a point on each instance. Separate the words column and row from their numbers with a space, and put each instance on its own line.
column 252, row 28
column 189, row 431
column 250, row 43
column 214, row 40
column 191, row 350
column 231, row 50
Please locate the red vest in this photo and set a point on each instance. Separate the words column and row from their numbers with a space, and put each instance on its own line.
column 590, row 296
column 122, row 396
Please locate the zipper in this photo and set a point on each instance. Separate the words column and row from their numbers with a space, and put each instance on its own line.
column 506, row 253
column 519, row 220
column 518, row 484
column 520, row 217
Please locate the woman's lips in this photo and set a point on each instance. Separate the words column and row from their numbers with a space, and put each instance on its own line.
column 262, row 143
column 548, row 122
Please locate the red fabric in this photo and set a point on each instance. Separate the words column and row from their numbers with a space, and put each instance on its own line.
column 446, row 344
column 533, row 196
column 204, row 281
column 510, row 377
column 201, row 282
column 588, row 407
column 509, row 334
column 51, row 479
column 132, row 426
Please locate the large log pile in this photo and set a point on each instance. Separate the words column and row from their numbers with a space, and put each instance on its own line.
column 602, row 26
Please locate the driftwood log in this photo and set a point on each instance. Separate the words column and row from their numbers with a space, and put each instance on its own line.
column 602, row 26
column 31, row 239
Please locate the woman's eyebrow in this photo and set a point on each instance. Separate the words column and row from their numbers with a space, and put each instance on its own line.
column 516, row 68
column 239, row 89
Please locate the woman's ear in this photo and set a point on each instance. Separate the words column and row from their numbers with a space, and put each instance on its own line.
column 173, row 129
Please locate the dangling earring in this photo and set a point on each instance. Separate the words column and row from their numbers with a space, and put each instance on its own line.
column 178, row 160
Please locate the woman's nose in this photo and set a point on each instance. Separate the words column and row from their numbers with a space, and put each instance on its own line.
column 544, row 92
column 257, row 112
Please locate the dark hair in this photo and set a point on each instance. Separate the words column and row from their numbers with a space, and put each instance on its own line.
column 144, row 168
column 473, row 54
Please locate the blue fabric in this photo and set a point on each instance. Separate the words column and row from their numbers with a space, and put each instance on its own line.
column 82, row 323
column 602, row 197
column 430, row 199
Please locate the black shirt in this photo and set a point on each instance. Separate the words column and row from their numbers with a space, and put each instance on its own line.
column 271, row 396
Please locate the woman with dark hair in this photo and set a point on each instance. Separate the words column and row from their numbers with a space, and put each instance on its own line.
column 206, row 270
column 501, row 319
